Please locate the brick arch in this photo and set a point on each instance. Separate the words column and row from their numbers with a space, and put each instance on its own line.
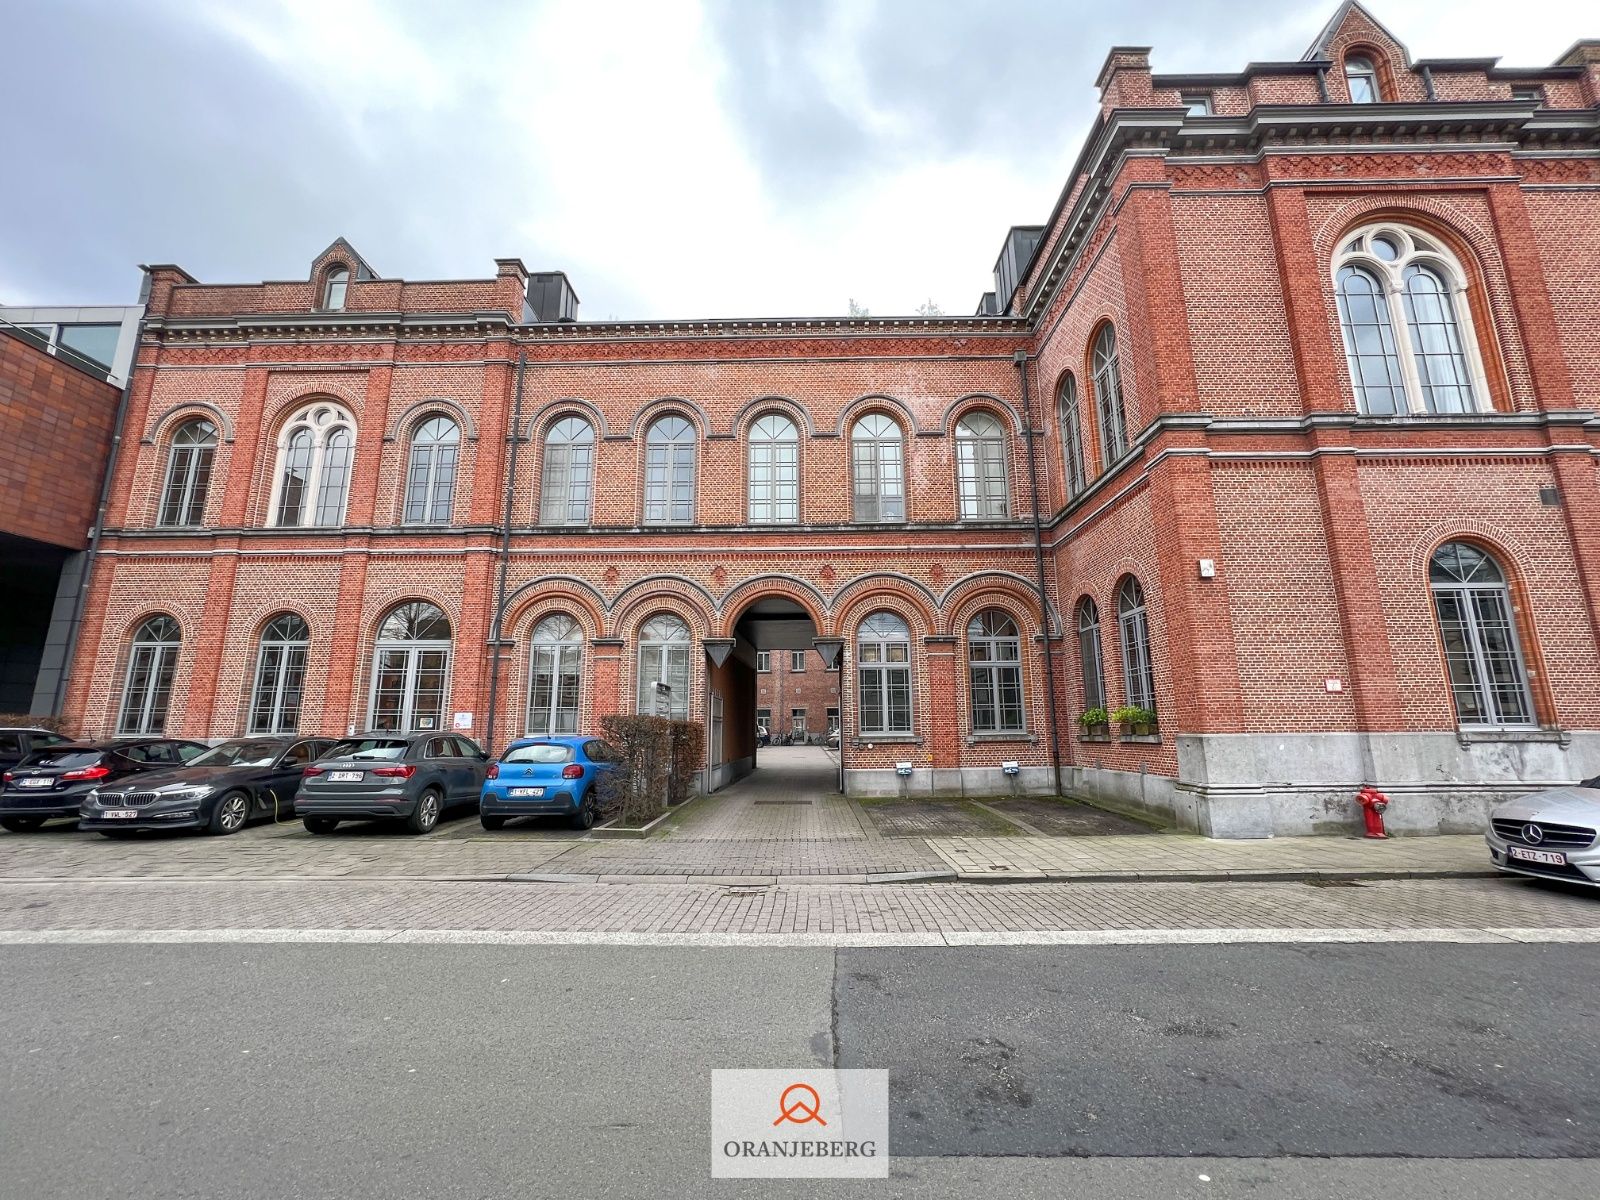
column 994, row 405
column 895, row 410
column 1477, row 252
column 589, row 603
column 570, row 406
column 958, row 601
column 406, row 424
column 853, row 602
column 278, row 413
column 741, row 596
column 669, row 593
column 160, row 429
column 761, row 405
column 651, row 411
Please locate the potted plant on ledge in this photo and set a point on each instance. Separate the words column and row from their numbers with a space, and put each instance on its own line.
column 1094, row 723
column 1135, row 721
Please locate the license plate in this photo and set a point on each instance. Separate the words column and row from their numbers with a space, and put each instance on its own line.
column 1548, row 857
column 346, row 776
column 46, row 781
column 120, row 814
column 526, row 793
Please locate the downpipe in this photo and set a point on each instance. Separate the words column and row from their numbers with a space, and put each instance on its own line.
column 1019, row 359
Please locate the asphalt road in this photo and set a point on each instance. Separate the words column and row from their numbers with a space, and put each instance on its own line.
column 354, row 1071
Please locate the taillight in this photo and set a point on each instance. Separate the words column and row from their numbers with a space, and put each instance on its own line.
column 95, row 772
column 572, row 771
column 493, row 772
column 7, row 778
column 308, row 772
column 404, row 772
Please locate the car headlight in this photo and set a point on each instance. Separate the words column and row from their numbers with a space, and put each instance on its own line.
column 196, row 791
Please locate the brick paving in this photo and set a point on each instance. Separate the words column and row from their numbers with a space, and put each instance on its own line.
column 647, row 908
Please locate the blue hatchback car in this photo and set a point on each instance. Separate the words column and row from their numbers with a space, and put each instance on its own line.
column 546, row 776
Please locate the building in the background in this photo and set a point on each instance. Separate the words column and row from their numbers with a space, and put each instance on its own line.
column 796, row 695
column 61, row 377
column 1277, row 440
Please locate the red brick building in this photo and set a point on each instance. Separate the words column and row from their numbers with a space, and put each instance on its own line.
column 1296, row 388
column 796, row 694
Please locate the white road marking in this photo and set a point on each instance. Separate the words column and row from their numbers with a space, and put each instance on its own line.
column 1040, row 937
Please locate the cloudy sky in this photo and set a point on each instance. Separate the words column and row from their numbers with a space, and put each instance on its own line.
column 675, row 158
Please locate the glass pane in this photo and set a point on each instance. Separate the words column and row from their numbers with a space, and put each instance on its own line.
column 97, row 343
column 1465, row 686
column 1369, row 343
column 427, row 702
column 335, row 478
column 1436, row 343
column 1508, row 689
column 296, row 476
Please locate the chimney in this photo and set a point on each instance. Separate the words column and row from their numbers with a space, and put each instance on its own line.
column 1124, row 81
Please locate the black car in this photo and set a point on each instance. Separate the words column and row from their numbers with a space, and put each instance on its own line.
column 219, row 791
column 410, row 777
column 17, row 742
column 52, row 783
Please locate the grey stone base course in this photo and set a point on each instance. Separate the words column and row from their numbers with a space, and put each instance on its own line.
column 725, row 773
column 929, row 783
column 1262, row 785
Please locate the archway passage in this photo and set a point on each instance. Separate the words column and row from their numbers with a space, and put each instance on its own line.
column 773, row 681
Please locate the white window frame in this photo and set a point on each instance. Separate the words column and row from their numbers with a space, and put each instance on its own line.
column 566, row 479
column 666, row 637
column 1133, row 631
column 439, row 461
column 1091, row 655
column 413, row 649
column 877, row 672
column 773, row 473
column 763, row 661
column 1111, row 404
column 987, row 668
column 877, row 470
column 320, row 420
column 1359, row 251
column 1070, row 419
column 285, row 656
column 156, row 656
column 797, row 662
column 983, row 464
column 558, row 638
column 1472, row 595
column 666, row 458
column 1197, row 104
column 1362, row 66
column 195, row 458
column 336, row 289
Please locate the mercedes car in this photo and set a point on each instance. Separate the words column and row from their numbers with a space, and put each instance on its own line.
column 1549, row 834
column 220, row 791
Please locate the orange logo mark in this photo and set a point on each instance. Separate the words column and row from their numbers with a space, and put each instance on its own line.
column 808, row 1112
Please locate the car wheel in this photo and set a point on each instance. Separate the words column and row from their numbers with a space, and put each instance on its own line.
column 319, row 824
column 426, row 815
column 21, row 824
column 584, row 817
column 229, row 814
column 489, row 822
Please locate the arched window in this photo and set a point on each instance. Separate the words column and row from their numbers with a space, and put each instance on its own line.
column 1362, row 77
column 883, row 658
column 774, row 470
column 1133, row 624
column 554, row 674
column 1091, row 663
column 994, row 666
column 1488, row 677
column 877, row 469
column 567, row 481
column 1071, row 436
column 1108, row 396
column 981, row 477
column 1407, row 327
column 411, row 669
column 431, row 476
column 664, row 658
column 669, row 472
column 314, row 453
column 333, row 291
column 280, row 675
column 152, row 660
column 183, row 499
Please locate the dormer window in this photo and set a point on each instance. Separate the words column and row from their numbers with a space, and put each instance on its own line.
column 1362, row 78
column 1197, row 104
column 1536, row 94
column 333, row 291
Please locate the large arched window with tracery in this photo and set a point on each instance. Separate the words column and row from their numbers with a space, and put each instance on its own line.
column 411, row 669
column 1488, row 677
column 1407, row 325
column 555, row 673
column 314, row 456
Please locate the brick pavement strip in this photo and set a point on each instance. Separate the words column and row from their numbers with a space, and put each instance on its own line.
column 1397, row 908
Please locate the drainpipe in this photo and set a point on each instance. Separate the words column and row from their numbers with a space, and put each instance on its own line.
column 1019, row 359
column 79, row 601
column 495, row 629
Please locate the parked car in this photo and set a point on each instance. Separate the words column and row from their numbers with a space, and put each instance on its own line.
column 50, row 784
column 1550, row 834
column 546, row 776
column 19, row 741
column 219, row 791
column 410, row 777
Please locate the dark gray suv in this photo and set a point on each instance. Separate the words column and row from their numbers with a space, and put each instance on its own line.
column 410, row 777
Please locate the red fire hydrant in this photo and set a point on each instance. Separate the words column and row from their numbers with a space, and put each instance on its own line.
column 1373, row 803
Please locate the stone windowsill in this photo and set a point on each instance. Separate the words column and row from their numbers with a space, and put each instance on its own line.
column 1141, row 739
column 1094, row 737
column 975, row 738
column 1473, row 737
column 888, row 739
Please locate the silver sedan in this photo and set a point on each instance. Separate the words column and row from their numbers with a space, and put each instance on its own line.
column 1550, row 834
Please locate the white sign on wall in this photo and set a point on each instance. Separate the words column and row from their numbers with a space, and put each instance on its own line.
column 464, row 720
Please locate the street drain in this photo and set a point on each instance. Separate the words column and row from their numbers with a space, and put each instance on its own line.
column 783, row 801
column 1334, row 883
